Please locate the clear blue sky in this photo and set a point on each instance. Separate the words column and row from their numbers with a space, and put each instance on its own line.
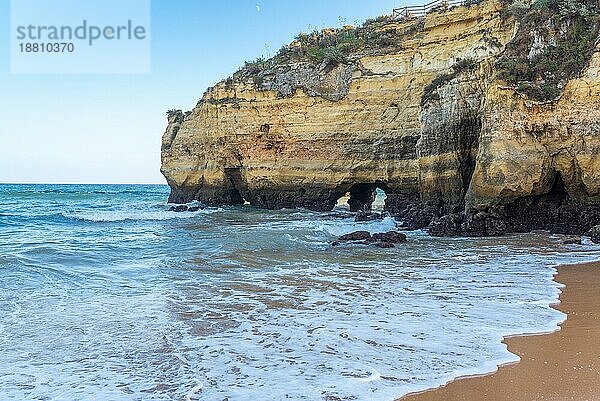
column 107, row 128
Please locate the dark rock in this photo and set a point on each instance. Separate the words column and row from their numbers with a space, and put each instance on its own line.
column 367, row 216
column 311, row 198
column 179, row 208
column 217, row 195
column 392, row 237
column 355, row 236
column 380, row 240
column 474, row 224
column 410, row 210
column 448, row 225
column 338, row 215
column 384, row 244
column 184, row 208
column 572, row 241
column 556, row 211
column 594, row 234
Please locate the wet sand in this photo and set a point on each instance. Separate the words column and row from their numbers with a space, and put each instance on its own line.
column 562, row 366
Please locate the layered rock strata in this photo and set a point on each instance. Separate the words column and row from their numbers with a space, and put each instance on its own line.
column 452, row 145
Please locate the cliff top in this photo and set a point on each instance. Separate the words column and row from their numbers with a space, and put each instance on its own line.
column 553, row 42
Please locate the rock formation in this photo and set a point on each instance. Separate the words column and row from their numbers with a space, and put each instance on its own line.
column 380, row 240
column 421, row 108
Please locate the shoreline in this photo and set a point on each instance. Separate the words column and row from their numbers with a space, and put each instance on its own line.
column 560, row 365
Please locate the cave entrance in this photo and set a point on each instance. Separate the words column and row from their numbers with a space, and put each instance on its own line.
column 364, row 197
column 558, row 189
column 233, row 195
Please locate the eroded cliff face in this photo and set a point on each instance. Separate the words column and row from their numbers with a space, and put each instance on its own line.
column 447, row 140
column 542, row 160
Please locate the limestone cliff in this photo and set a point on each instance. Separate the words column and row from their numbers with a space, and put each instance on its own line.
column 421, row 108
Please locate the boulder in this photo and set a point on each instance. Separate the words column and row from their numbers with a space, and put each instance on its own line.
column 367, row 216
column 391, row 237
column 185, row 208
column 380, row 240
column 355, row 236
column 475, row 224
column 594, row 234
column 179, row 208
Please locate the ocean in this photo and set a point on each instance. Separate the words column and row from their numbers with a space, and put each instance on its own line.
column 106, row 295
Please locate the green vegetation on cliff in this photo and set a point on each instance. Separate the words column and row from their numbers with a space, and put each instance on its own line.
column 338, row 45
column 553, row 44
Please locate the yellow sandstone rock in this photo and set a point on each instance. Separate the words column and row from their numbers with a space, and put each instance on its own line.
column 305, row 135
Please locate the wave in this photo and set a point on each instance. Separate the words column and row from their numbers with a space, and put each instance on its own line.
column 112, row 216
column 351, row 323
column 344, row 226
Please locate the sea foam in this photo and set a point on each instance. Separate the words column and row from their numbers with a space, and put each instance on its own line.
column 141, row 215
column 241, row 303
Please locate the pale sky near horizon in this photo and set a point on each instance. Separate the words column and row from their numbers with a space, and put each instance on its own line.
column 108, row 128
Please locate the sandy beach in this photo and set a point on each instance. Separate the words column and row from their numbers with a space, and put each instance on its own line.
column 564, row 365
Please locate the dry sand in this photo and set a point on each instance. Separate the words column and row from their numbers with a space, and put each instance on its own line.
column 561, row 366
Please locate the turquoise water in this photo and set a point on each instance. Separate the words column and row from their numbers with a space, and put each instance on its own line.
column 105, row 295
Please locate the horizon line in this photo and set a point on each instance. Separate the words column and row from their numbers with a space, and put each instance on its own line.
column 82, row 183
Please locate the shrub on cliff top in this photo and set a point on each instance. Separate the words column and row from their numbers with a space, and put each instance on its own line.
column 568, row 30
column 519, row 8
column 381, row 19
column 256, row 65
column 330, row 45
column 338, row 44
column 470, row 3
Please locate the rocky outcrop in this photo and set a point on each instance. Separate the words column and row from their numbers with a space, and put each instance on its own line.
column 594, row 234
column 380, row 240
column 419, row 110
column 369, row 216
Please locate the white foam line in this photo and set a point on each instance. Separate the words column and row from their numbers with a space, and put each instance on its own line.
column 374, row 376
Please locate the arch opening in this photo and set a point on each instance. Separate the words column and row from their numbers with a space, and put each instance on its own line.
column 364, row 198
column 380, row 199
